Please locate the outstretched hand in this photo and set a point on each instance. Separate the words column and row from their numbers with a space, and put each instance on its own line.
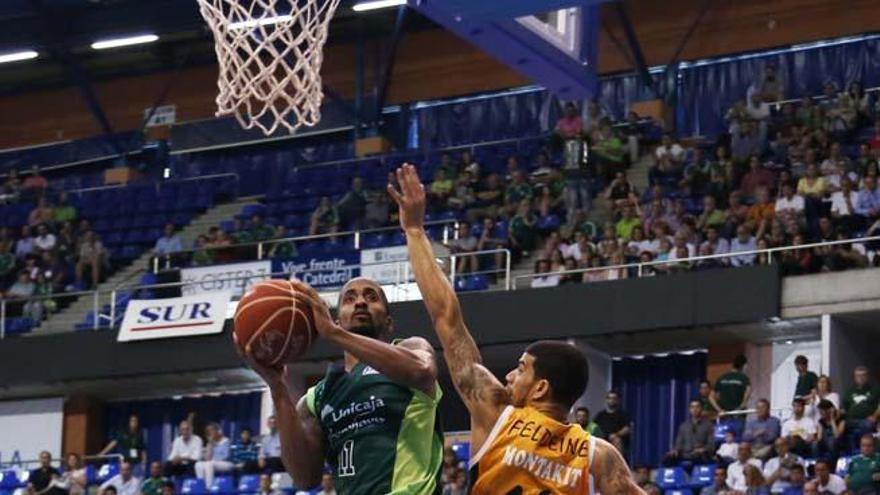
column 410, row 199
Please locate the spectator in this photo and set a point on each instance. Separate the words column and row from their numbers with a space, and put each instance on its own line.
column 269, row 459
column 714, row 244
column 440, row 190
column 608, row 152
column 755, row 483
column 155, row 484
column 245, row 452
column 44, row 479
column 807, row 380
column 186, row 449
column 523, row 233
column 169, row 242
column 669, row 147
column 826, row 481
column 450, row 169
column 25, row 245
column 202, row 255
column 746, row 142
column 571, row 125
column 695, row 440
column 743, row 242
column 789, row 205
column 67, row 243
column 462, row 196
column 73, row 481
column 45, row 240
column 110, row 490
column 762, row 431
column 377, row 211
column 732, row 389
column 284, row 249
column 23, row 288
column 843, row 206
column 125, row 483
column 777, row 470
column 863, row 474
column 516, row 192
column 92, row 257
column 259, row 229
column 489, row 199
column 582, row 417
column 493, row 237
column 831, row 431
column 216, row 459
column 868, row 203
column 129, row 443
column 43, row 213
column 770, row 87
column 12, row 187
column 353, row 205
column 63, row 212
column 736, row 477
column 711, row 216
column 463, row 247
column 627, row 223
column 325, row 218
column 758, row 111
column 642, row 475
column 727, row 451
column 547, row 278
column 36, row 183
column 328, row 488
column 615, row 422
column 458, row 486
column 861, row 404
column 266, row 486
column 719, row 483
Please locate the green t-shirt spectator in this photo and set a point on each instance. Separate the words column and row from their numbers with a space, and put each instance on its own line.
column 64, row 213
column 595, row 430
column 130, row 446
column 522, row 230
column 861, row 402
column 610, row 149
column 284, row 250
column 805, row 384
column 716, row 218
column 243, row 237
column 861, row 473
column 153, row 486
column 517, row 192
column 625, row 227
column 731, row 389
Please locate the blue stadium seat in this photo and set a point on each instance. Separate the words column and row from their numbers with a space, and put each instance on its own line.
column 249, row 483
column 8, row 479
column 108, row 470
column 843, row 465
column 222, row 485
column 671, row 478
column 193, row 486
column 722, row 428
column 91, row 475
column 678, row 491
column 703, row 475
column 549, row 223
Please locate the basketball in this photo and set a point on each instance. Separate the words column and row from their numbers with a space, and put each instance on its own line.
column 278, row 326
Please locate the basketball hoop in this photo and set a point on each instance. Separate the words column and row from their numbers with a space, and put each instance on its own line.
column 270, row 54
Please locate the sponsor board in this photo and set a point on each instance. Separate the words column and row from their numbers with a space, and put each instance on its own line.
column 386, row 265
column 235, row 278
column 321, row 272
column 187, row 316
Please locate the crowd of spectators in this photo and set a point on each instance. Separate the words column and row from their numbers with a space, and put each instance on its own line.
column 54, row 252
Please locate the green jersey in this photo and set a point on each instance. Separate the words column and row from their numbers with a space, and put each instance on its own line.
column 381, row 437
column 731, row 389
column 861, row 473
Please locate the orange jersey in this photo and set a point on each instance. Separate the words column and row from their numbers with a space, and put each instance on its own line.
column 529, row 453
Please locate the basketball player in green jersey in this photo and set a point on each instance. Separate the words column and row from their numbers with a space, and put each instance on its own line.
column 373, row 419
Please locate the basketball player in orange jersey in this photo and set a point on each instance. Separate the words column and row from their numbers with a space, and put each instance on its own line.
column 522, row 442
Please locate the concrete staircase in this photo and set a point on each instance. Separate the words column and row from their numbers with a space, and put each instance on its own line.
column 66, row 319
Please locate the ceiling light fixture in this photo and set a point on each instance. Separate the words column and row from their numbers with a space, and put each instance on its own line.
column 17, row 56
column 377, row 4
column 126, row 41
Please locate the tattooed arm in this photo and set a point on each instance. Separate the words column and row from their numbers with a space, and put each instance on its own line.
column 610, row 471
column 481, row 392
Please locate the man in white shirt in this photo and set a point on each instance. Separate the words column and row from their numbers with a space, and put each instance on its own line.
column 736, row 478
column 789, row 203
column 743, row 242
column 185, row 451
column 778, row 470
column 216, row 455
column 124, row 482
column 671, row 148
column 270, row 449
column 826, row 481
column 547, row 280
column 800, row 430
column 45, row 240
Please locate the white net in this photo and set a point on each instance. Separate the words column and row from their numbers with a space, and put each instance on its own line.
column 270, row 54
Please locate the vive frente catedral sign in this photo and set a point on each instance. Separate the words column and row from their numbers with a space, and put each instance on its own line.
column 186, row 316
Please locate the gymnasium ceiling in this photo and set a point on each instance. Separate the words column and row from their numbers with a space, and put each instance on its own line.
column 62, row 31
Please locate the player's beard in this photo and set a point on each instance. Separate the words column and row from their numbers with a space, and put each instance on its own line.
column 370, row 330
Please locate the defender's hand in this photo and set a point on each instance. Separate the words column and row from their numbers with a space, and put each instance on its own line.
column 410, row 198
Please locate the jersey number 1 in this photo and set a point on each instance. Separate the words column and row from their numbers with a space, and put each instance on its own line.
column 346, row 459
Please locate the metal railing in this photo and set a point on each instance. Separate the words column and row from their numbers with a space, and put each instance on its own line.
column 403, row 276
column 262, row 251
column 158, row 184
column 640, row 266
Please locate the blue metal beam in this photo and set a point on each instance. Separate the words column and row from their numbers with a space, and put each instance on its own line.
column 388, row 71
column 634, row 46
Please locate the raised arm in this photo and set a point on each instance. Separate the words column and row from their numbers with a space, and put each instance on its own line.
column 610, row 471
column 481, row 392
column 302, row 442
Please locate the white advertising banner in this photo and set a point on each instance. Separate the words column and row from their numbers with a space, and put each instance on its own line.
column 187, row 316
column 386, row 265
column 224, row 278
column 28, row 427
